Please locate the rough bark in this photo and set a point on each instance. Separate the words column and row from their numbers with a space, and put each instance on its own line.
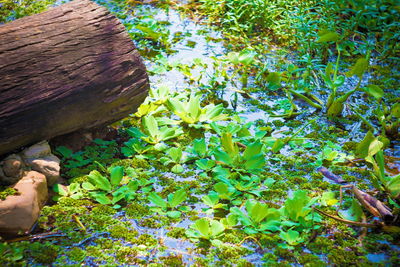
column 69, row 68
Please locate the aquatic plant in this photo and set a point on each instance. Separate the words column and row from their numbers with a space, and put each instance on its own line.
column 172, row 202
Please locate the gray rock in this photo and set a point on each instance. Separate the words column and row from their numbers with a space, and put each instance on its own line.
column 48, row 165
column 12, row 166
column 38, row 150
column 11, row 170
column 18, row 213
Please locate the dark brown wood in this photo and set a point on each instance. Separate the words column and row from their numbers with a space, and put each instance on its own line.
column 72, row 67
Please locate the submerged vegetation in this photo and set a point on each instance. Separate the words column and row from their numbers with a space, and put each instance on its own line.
column 270, row 137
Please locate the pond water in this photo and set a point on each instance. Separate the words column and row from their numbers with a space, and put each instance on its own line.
column 187, row 57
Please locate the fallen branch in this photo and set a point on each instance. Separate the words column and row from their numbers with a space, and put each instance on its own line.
column 360, row 224
column 331, row 176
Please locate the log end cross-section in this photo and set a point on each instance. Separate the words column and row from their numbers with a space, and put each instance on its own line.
column 69, row 68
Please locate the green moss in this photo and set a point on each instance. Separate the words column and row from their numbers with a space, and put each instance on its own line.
column 150, row 222
column 310, row 260
column 44, row 253
column 176, row 232
column 126, row 255
column 147, row 240
column 321, row 245
column 120, row 231
column 103, row 210
column 231, row 238
column 229, row 252
column 9, row 191
column 136, row 210
column 344, row 257
column 76, row 254
column 133, row 163
column 173, row 260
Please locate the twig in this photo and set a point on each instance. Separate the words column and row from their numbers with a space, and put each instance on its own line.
column 250, row 237
column 35, row 237
column 368, row 225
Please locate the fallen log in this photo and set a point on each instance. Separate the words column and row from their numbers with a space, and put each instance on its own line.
column 72, row 67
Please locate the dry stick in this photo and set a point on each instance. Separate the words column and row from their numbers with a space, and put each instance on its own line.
column 373, row 205
column 34, row 237
column 368, row 225
column 250, row 237
column 364, row 231
column 80, row 224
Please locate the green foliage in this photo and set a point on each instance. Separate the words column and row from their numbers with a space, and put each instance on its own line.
column 11, row 255
column 156, row 134
column 206, row 229
column 258, row 218
column 252, row 159
column 192, row 113
column 172, row 202
column 73, row 190
column 175, row 158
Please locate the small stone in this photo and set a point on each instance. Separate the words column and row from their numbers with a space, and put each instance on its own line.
column 48, row 165
column 38, row 150
column 18, row 213
column 12, row 166
column 5, row 180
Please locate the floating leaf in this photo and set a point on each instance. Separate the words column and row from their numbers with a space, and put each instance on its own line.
column 374, row 90
column 328, row 36
column 157, row 200
column 98, row 180
column 117, row 173
column 358, row 68
column 177, row 198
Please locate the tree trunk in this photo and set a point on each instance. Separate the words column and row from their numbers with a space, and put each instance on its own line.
column 72, row 67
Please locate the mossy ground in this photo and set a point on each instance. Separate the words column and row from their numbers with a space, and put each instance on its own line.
column 138, row 233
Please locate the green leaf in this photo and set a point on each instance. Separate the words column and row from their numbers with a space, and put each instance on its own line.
column 175, row 153
column 274, row 79
column 210, row 200
column 297, row 206
column 228, row 145
column 257, row 211
column 374, row 90
column 362, row 148
column 328, row 36
column 335, row 109
column 174, row 214
column 354, row 213
column 395, row 110
column 328, row 199
column 100, row 197
column 60, row 190
column 177, row 168
column 278, row 145
column 252, row 150
column 205, row 164
column 221, row 188
column 223, row 157
column 359, row 68
column 202, row 225
column 88, row 186
column 157, row 200
column 177, row 198
column 194, row 110
column 394, row 186
column 255, row 162
column 199, row 146
column 216, row 228
column 64, row 151
column 117, row 173
column 151, row 125
column 98, row 180
column 292, row 237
